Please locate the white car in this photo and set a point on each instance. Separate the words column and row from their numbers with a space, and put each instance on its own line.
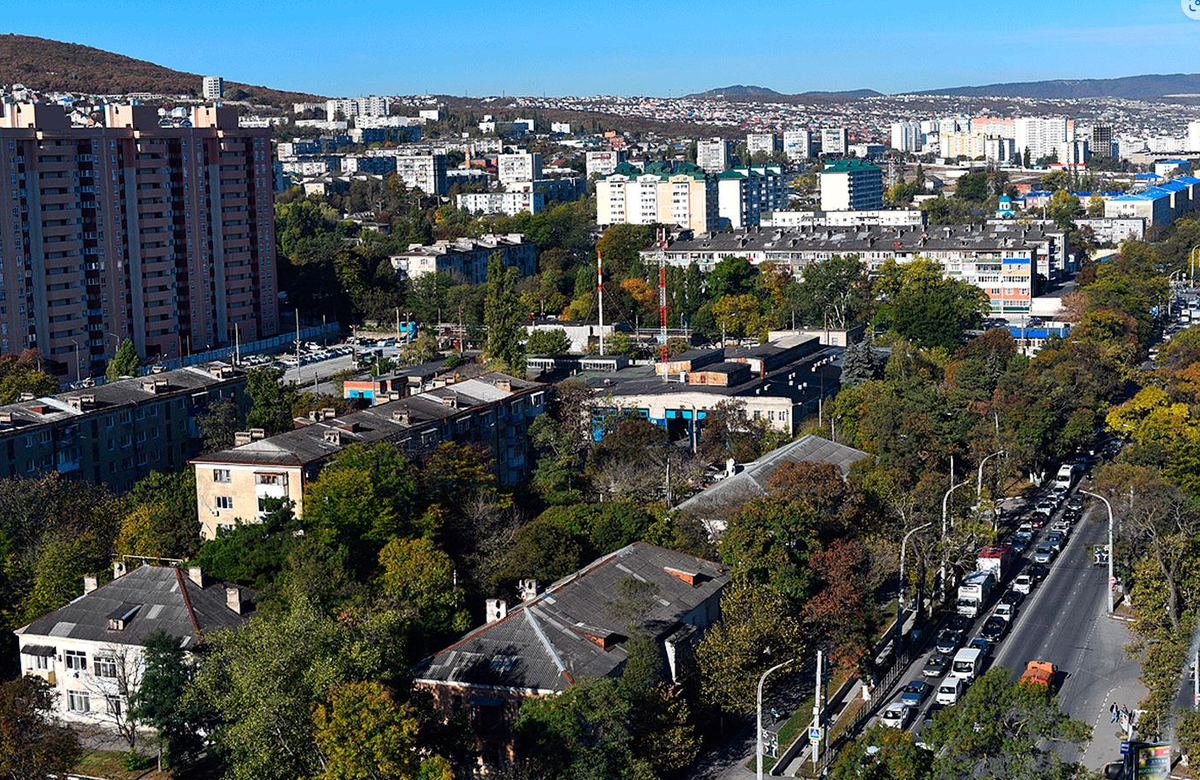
column 1004, row 612
column 1062, row 526
column 1023, row 583
column 896, row 715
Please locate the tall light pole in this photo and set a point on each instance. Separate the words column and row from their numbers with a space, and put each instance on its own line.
column 1112, row 582
column 945, row 530
column 979, row 482
column 761, row 681
column 900, row 593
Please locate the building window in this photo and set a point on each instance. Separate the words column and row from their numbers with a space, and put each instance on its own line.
column 76, row 660
column 222, row 475
column 113, row 705
column 224, row 502
column 105, row 666
column 266, row 479
column 78, row 701
column 41, row 662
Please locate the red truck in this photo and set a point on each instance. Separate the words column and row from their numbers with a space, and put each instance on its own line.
column 996, row 559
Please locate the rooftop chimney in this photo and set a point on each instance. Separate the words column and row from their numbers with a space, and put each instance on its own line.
column 527, row 589
column 241, row 437
column 90, row 583
column 497, row 609
column 257, row 433
column 196, row 575
column 233, row 598
column 118, row 569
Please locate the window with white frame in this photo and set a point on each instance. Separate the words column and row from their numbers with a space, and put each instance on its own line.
column 76, row 660
column 112, row 704
column 78, row 701
column 105, row 666
column 222, row 475
column 224, row 502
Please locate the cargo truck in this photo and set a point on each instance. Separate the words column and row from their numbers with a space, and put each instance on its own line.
column 995, row 559
column 973, row 593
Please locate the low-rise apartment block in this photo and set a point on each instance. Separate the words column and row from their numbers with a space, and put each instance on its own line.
column 604, row 162
column 466, row 259
column 800, row 145
column 118, row 432
column 493, row 411
column 509, row 203
column 762, row 143
column 862, row 218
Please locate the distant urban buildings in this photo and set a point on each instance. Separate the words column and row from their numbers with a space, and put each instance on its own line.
column 346, row 108
column 800, row 145
column 424, row 172
column 907, row 136
column 602, row 163
column 465, row 260
column 851, row 184
column 766, row 144
column 164, row 235
column 744, row 193
column 713, row 154
column 518, row 167
column 658, row 195
column 834, row 140
column 213, row 87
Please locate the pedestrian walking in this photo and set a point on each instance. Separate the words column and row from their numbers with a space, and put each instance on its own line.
column 1112, row 713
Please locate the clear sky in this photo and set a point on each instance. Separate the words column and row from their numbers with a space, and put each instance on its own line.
column 569, row 47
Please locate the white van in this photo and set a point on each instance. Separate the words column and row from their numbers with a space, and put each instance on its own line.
column 966, row 663
column 1065, row 477
column 950, row 690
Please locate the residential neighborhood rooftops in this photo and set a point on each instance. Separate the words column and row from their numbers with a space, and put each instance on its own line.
column 850, row 165
column 576, row 629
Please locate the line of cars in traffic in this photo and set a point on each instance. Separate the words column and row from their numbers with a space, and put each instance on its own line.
column 957, row 661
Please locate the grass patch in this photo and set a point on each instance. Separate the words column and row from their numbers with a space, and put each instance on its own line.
column 111, row 764
column 798, row 723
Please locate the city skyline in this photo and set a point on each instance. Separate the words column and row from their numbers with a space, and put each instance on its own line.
column 397, row 52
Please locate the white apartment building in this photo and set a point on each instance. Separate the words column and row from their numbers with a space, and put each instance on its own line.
column 834, row 140
column 519, row 167
column 998, row 149
column 863, row 218
column 466, row 259
column 1074, row 152
column 906, row 136
column 969, row 145
column 509, row 203
column 1042, row 136
column 658, row 195
column 712, row 154
column 744, row 193
column 213, row 87
column 91, row 652
column 368, row 106
column 1193, row 137
column 851, row 185
column 762, row 143
column 799, row 145
column 604, row 162
column 424, row 172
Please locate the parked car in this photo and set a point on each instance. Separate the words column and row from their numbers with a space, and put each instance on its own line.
column 936, row 666
column 994, row 629
column 1024, row 583
column 982, row 645
column 1038, row 572
column 1044, row 553
column 896, row 715
column 1012, row 597
column 915, row 692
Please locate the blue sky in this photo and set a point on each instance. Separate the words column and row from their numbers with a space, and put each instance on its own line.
column 655, row 48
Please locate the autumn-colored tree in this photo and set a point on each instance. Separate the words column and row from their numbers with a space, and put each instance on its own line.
column 843, row 610
column 363, row 733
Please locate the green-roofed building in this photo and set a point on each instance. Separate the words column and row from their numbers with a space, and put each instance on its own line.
column 851, row 184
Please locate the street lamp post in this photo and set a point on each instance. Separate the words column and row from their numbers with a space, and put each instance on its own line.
column 761, row 681
column 900, row 593
column 1112, row 582
column 979, row 482
column 945, row 517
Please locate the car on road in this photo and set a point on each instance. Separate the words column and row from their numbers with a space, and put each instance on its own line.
column 1038, row 572
column 1061, row 527
column 1019, row 546
column 1044, row 553
column 1024, row 583
column 1075, row 502
column 1045, row 508
column 1056, row 540
column 982, row 645
column 1039, row 673
column 994, row 629
column 958, row 622
column 949, row 640
column 1004, row 611
column 1012, row 597
column 915, row 692
column 1024, row 533
column 936, row 666
column 950, row 690
column 1058, row 494
column 896, row 715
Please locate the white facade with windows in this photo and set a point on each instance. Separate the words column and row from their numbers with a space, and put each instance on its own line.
column 712, row 154
column 799, row 144
column 424, row 172
column 519, row 167
column 834, row 140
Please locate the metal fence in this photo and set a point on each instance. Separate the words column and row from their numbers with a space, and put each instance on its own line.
column 251, row 347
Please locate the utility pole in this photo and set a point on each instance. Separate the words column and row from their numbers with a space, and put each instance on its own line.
column 818, row 709
column 761, row 681
column 297, row 339
column 900, row 594
column 662, row 295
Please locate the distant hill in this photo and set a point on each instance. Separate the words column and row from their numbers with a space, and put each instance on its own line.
column 742, row 92
column 1147, row 87
column 44, row 64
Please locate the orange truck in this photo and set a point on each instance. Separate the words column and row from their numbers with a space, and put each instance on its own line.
column 1039, row 673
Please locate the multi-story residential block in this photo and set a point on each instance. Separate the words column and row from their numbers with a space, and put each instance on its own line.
column 519, row 167
column 1074, row 153
column 712, row 154
column 658, row 195
column 744, row 193
column 510, row 203
column 1006, row 260
column 861, row 218
column 762, row 143
column 799, row 145
column 163, row 235
column 363, row 163
column 558, row 188
column 1042, row 136
column 493, row 411
column 1102, row 140
column 213, row 87
column 118, row 432
column 851, row 184
column 604, row 162
column 970, row 145
column 466, row 259
column 834, row 140
column 1160, row 205
column 906, row 136
column 564, row 635
column 369, row 106
column 999, row 149
column 424, row 172
column 91, row 651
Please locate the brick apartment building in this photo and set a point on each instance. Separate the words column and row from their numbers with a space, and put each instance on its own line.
column 161, row 234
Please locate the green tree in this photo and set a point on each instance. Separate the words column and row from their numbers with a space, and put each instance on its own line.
column 363, row 733
column 734, row 653
column 161, row 522
column 861, row 362
column 271, row 407
column 124, row 363
column 835, row 293
column 972, row 187
column 927, row 307
column 503, row 316
column 423, row 349
column 883, row 753
column 218, row 424
column 32, row 745
column 419, row 578
column 159, row 701
column 21, row 374
column 548, row 342
column 731, row 276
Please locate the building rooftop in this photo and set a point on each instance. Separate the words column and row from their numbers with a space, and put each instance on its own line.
column 850, row 165
column 149, row 599
column 721, row 501
column 575, row 630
